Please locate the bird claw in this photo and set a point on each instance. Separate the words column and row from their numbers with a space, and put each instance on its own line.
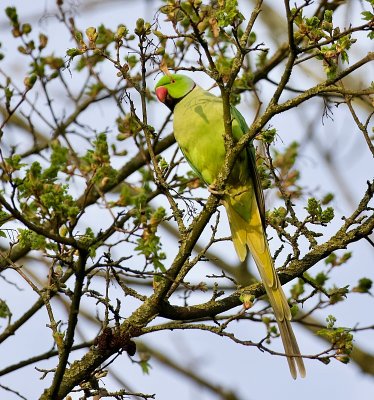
column 212, row 189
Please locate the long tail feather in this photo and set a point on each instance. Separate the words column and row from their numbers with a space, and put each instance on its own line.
column 251, row 234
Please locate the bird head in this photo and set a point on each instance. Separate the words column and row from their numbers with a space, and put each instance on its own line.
column 171, row 88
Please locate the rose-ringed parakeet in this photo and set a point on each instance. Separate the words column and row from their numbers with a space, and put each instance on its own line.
column 199, row 131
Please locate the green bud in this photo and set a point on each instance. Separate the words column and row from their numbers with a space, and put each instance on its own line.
column 321, row 278
column 294, row 310
column 142, row 28
column 139, row 24
column 163, row 164
column 343, row 359
column 16, row 32
column 11, row 13
column 31, row 45
column 73, row 52
column 91, row 34
column 122, row 31
column 268, row 135
column 327, row 215
column 4, row 309
column 26, row 29
column 328, row 16
column 8, row 95
column 22, row 50
column 367, row 15
column 364, row 285
column 327, row 198
column 29, row 81
column 247, row 300
column 78, row 35
column 43, row 40
column 327, row 26
column 313, row 207
column 147, row 28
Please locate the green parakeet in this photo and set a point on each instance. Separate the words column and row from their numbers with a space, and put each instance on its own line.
column 199, row 130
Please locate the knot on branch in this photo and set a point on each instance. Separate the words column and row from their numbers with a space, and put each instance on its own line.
column 113, row 339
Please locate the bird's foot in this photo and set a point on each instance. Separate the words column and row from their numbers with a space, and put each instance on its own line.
column 212, row 189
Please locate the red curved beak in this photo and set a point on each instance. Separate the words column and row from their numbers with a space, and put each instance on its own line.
column 161, row 93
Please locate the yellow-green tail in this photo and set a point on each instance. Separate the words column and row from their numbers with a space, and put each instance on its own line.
column 250, row 233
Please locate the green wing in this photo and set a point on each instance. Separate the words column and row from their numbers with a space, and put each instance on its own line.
column 251, row 156
column 194, row 169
